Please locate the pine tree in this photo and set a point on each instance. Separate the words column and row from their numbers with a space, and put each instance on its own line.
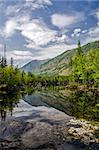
column 4, row 62
column 11, row 61
column 79, row 51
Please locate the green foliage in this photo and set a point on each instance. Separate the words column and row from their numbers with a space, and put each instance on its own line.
column 13, row 77
column 3, row 62
column 10, row 76
column 60, row 64
column 81, row 104
column 85, row 67
column 7, row 102
column 79, row 50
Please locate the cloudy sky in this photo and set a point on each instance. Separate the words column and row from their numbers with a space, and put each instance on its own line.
column 42, row 29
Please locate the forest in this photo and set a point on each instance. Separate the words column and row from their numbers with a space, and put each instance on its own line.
column 84, row 68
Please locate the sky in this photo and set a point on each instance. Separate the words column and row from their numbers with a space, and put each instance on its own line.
column 43, row 29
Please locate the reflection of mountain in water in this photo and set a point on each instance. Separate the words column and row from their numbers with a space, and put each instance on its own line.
column 81, row 104
column 34, row 100
column 7, row 102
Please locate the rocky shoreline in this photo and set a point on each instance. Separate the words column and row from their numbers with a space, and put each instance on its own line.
column 46, row 129
column 82, row 130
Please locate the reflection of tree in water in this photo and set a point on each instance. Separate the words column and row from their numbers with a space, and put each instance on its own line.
column 7, row 102
column 81, row 104
column 84, row 104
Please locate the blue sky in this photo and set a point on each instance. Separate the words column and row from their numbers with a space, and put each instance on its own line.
column 42, row 29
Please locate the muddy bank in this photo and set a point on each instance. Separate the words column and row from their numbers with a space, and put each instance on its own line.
column 44, row 128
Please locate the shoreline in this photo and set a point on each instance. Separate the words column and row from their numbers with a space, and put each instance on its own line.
column 38, row 127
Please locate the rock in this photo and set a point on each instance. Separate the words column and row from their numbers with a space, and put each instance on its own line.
column 33, row 131
column 85, row 132
column 42, row 128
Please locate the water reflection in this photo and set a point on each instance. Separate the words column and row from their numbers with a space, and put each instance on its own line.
column 7, row 103
column 84, row 104
column 81, row 104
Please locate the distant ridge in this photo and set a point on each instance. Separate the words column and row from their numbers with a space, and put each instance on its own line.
column 60, row 64
column 33, row 66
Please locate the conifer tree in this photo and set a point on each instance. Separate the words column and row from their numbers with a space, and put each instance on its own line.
column 79, row 50
column 11, row 61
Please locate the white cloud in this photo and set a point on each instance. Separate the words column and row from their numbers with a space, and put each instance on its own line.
column 94, row 31
column 47, row 42
column 12, row 10
column 37, row 32
column 21, row 53
column 93, row 35
column 37, row 4
column 76, row 32
column 53, row 50
column 19, row 18
column 43, row 38
column 10, row 27
column 27, row 5
column 62, row 39
column 44, row 2
column 20, row 14
column 55, row 38
column 91, row 39
column 13, row 24
column 72, row 35
column 20, row 57
column 84, row 31
column 63, row 20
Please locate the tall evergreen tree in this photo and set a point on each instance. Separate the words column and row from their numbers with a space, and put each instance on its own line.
column 2, row 62
column 79, row 50
column 5, row 62
column 11, row 61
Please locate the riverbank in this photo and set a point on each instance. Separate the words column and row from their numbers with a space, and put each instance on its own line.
column 29, row 87
column 45, row 128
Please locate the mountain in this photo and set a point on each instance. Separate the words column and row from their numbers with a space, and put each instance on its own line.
column 33, row 66
column 60, row 64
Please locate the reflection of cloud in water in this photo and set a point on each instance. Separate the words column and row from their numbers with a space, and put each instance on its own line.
column 25, row 111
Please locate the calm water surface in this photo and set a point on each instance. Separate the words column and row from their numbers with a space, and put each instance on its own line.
column 81, row 104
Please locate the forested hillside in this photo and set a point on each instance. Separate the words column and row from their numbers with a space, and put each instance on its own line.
column 33, row 66
column 84, row 67
column 60, row 64
column 80, row 65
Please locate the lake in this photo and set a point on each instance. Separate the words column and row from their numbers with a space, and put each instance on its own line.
column 81, row 104
column 41, row 109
